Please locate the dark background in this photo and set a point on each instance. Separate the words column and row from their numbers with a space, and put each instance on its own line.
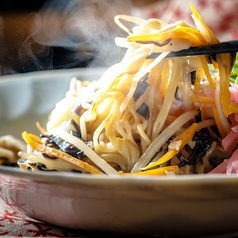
column 20, row 5
column 59, row 34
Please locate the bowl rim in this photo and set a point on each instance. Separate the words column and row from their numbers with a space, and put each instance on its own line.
column 46, row 74
column 128, row 180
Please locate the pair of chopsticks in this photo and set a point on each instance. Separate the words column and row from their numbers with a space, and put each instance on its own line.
column 223, row 47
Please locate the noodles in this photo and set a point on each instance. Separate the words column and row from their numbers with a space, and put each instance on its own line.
column 87, row 151
column 138, row 77
column 144, row 116
column 162, row 138
column 159, row 122
column 128, row 18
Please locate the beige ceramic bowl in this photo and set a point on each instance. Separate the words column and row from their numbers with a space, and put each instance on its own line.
column 182, row 205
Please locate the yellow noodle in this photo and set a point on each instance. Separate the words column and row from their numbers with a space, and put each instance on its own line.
column 175, row 76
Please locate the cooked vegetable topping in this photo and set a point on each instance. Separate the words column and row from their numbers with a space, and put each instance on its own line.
column 141, row 87
column 66, row 147
column 181, row 141
column 59, row 154
column 203, row 144
column 144, row 111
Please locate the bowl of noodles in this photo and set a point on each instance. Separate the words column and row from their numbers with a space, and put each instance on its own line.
column 150, row 140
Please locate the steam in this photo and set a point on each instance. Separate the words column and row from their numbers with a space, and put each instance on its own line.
column 73, row 33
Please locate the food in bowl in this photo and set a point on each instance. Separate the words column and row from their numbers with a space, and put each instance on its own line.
column 162, row 116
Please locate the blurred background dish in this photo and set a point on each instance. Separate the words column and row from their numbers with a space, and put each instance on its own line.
column 28, row 98
column 57, row 34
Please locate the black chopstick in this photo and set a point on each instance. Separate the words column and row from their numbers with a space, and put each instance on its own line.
column 223, row 47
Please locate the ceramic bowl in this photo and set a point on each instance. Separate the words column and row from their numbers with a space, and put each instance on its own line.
column 181, row 205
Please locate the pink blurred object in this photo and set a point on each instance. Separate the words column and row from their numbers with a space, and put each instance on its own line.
column 220, row 15
column 229, row 142
column 234, row 92
column 227, row 166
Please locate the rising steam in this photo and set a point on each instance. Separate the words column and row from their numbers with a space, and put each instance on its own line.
column 73, row 33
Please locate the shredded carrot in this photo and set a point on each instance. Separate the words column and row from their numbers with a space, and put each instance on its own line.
column 218, row 121
column 159, row 171
column 33, row 142
column 185, row 137
column 207, row 71
column 190, row 34
column 198, row 79
column 215, row 64
column 202, row 99
column 213, row 38
column 36, row 138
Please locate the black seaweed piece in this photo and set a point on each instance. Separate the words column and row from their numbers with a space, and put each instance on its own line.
column 75, row 171
column 66, row 147
column 229, row 121
column 50, row 142
column 79, row 109
column 41, row 166
column 144, row 111
column 80, row 155
column 203, row 144
column 141, row 87
column 193, row 77
column 58, row 142
column 176, row 95
column 198, row 117
column 76, row 134
column 74, row 151
column 77, row 128
column 210, row 58
column 47, row 156
column 215, row 129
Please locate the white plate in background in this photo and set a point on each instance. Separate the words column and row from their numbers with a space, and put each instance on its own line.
column 30, row 97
